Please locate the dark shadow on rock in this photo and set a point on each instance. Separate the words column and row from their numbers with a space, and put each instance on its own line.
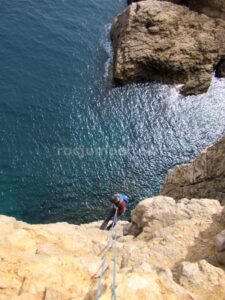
column 220, row 68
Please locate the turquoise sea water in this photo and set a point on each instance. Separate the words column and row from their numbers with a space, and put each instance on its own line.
column 68, row 139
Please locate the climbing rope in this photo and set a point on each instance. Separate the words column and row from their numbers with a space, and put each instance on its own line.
column 114, row 267
column 110, row 238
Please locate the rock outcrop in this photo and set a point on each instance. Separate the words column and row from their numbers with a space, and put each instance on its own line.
column 168, row 43
column 202, row 178
column 170, row 251
column 211, row 8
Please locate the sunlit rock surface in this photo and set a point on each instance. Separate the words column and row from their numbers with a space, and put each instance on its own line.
column 169, row 43
column 170, row 251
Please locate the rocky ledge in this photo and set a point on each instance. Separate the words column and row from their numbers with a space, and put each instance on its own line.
column 168, row 43
column 171, row 250
column 202, row 178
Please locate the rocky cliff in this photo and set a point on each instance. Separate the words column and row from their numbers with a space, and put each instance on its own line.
column 171, row 250
column 203, row 178
column 169, row 43
column 212, row 8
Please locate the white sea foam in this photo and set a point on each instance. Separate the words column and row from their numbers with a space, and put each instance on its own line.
column 106, row 44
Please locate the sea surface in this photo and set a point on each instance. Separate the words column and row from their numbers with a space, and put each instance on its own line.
column 68, row 138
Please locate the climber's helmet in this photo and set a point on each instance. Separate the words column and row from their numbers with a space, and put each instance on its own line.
column 115, row 199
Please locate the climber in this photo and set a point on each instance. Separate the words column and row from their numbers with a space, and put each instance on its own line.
column 119, row 201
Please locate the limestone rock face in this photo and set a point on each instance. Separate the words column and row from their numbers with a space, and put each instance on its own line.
column 177, row 231
column 203, row 178
column 199, row 276
column 220, row 241
column 212, row 8
column 172, row 257
column 159, row 212
column 161, row 41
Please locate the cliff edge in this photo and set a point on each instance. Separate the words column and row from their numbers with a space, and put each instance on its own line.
column 202, row 178
column 170, row 250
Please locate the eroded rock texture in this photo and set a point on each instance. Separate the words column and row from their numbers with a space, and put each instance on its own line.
column 203, row 178
column 169, row 253
column 161, row 41
column 212, row 8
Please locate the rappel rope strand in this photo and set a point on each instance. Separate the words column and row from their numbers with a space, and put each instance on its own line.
column 110, row 238
column 114, row 267
column 103, row 268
